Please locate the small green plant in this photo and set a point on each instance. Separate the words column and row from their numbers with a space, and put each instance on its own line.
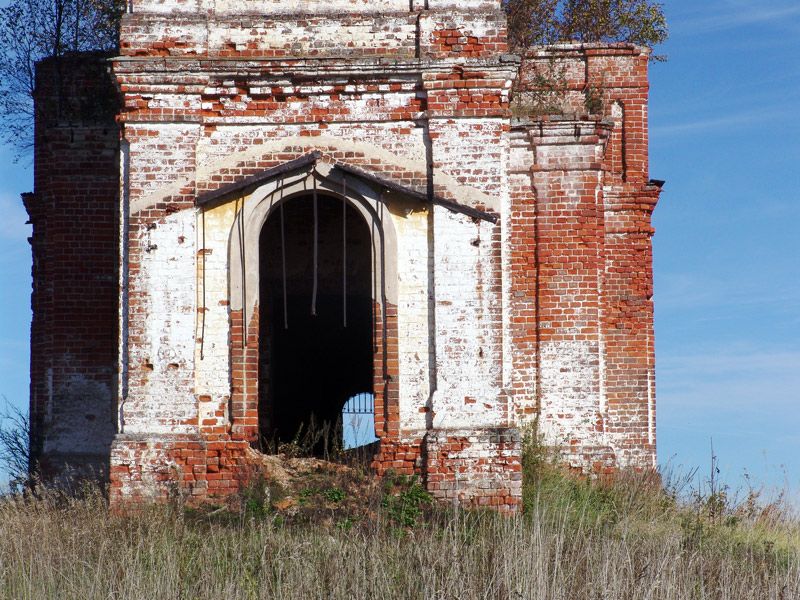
column 305, row 495
column 593, row 100
column 404, row 500
column 334, row 495
column 314, row 439
column 258, row 497
column 346, row 524
column 542, row 91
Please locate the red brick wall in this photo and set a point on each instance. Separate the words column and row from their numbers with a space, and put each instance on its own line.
column 75, row 214
column 475, row 468
column 545, row 314
column 597, row 250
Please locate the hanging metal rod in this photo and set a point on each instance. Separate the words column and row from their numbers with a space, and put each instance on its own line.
column 313, row 157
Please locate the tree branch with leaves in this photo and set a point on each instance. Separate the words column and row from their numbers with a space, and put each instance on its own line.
column 540, row 22
column 32, row 30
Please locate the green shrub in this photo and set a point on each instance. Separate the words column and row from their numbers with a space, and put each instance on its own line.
column 404, row 500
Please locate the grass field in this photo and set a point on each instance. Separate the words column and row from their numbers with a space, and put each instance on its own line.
column 335, row 534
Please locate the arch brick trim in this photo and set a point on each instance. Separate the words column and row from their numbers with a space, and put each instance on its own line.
column 253, row 181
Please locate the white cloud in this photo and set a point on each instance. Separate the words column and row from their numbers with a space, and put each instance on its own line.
column 682, row 292
column 736, row 363
column 733, row 15
column 742, row 119
column 757, row 388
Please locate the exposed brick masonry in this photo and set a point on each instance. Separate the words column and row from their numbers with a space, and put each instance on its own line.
column 75, row 215
column 511, row 259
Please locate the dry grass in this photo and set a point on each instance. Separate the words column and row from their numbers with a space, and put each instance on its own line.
column 620, row 540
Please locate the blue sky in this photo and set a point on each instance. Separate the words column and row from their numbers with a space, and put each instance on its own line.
column 726, row 136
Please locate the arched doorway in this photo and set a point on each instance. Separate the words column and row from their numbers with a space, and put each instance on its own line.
column 316, row 322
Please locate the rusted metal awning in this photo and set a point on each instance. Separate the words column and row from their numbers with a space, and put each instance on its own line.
column 369, row 177
column 259, row 179
column 388, row 184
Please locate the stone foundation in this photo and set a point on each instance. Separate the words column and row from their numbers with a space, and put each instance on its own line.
column 475, row 468
column 160, row 468
column 461, row 467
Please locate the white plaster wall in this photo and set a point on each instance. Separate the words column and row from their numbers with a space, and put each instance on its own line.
column 570, row 404
column 331, row 36
column 228, row 145
column 165, row 308
column 414, row 325
column 162, row 287
column 468, row 372
column 162, row 162
column 212, row 351
column 475, row 150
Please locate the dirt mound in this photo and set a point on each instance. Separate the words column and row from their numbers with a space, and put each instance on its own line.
column 310, row 489
column 320, row 492
column 290, row 471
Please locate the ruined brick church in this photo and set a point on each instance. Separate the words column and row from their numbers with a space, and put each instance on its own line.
column 262, row 209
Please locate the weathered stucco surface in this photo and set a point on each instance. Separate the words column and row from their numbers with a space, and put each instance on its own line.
column 511, row 259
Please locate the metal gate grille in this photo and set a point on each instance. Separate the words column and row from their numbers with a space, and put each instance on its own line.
column 360, row 404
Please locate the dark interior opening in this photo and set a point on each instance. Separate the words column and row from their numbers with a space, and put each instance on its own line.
column 311, row 364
